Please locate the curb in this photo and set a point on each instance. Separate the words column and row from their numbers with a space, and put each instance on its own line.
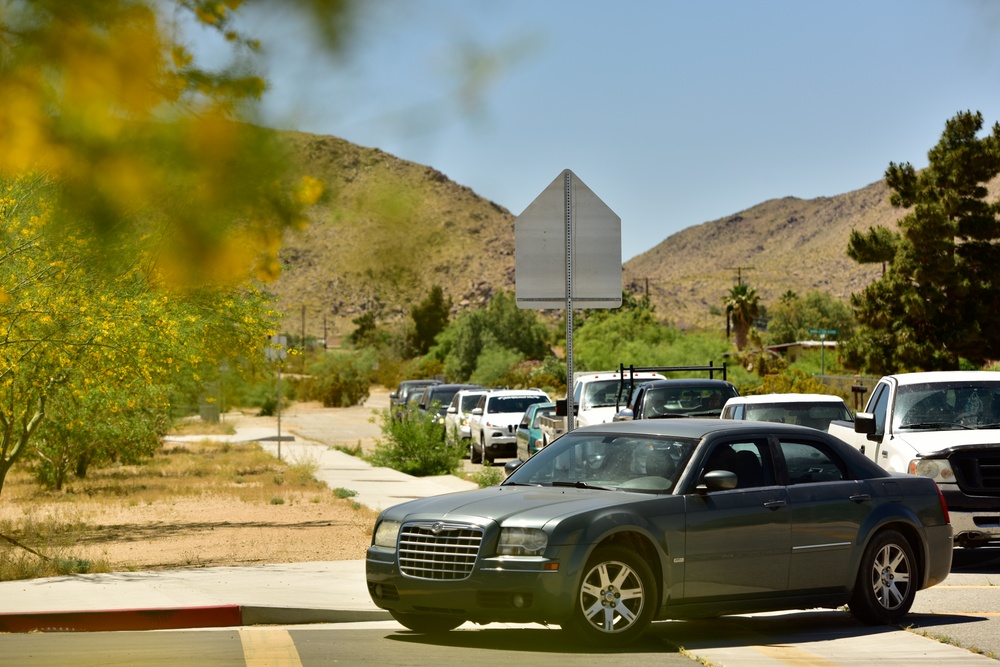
column 215, row 616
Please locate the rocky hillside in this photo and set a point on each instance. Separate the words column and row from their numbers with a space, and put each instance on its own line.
column 390, row 229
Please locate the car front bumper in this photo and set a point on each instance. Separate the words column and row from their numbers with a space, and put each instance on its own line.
column 513, row 590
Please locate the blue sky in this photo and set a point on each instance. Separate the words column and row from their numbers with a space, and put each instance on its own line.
column 673, row 112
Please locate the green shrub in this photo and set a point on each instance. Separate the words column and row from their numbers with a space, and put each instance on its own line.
column 339, row 380
column 488, row 476
column 415, row 444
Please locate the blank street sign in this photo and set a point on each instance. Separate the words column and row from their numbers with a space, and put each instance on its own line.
column 540, row 248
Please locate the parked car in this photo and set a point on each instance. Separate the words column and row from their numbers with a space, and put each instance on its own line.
column 812, row 410
column 456, row 421
column 437, row 397
column 529, row 431
column 616, row 525
column 680, row 397
column 495, row 419
column 399, row 398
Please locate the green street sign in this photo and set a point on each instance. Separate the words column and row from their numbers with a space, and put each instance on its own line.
column 824, row 332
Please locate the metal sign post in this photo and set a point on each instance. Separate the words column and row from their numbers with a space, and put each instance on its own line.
column 822, row 346
column 277, row 351
column 568, row 254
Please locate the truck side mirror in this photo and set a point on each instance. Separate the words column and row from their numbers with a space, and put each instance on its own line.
column 624, row 415
column 864, row 422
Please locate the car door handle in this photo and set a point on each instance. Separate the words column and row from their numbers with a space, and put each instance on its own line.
column 775, row 504
column 861, row 497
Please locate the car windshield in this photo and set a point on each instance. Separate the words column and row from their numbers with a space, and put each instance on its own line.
column 602, row 394
column 594, row 460
column 686, row 401
column 542, row 412
column 806, row 413
column 470, row 401
column 506, row 404
column 948, row 405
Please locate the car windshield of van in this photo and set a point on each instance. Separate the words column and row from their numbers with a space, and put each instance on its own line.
column 805, row 413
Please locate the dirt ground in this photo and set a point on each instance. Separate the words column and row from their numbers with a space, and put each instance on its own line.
column 221, row 531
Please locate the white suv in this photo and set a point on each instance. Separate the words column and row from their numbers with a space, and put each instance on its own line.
column 493, row 427
column 456, row 422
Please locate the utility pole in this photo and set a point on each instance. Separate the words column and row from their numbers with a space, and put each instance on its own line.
column 739, row 272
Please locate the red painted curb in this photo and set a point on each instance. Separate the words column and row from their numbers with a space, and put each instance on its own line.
column 123, row 619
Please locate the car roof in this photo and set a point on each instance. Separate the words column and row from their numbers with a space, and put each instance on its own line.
column 449, row 387
column 946, row 376
column 515, row 392
column 687, row 382
column 771, row 399
column 696, row 427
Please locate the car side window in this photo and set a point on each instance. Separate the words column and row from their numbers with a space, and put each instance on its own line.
column 749, row 460
column 809, row 463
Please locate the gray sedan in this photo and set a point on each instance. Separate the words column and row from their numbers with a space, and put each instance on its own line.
column 613, row 526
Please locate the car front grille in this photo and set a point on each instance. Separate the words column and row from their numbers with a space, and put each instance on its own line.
column 977, row 472
column 438, row 550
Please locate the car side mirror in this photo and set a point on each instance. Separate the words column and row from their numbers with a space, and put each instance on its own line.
column 394, row 395
column 511, row 466
column 452, row 410
column 717, row 480
column 624, row 415
column 477, row 411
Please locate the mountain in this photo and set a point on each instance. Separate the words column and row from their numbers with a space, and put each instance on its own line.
column 390, row 229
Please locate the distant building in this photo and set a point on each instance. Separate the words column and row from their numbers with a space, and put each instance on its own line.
column 792, row 351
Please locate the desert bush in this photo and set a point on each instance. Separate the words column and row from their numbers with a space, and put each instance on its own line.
column 339, row 380
column 488, row 475
column 415, row 444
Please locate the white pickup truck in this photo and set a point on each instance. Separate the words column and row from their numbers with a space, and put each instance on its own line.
column 944, row 425
column 597, row 396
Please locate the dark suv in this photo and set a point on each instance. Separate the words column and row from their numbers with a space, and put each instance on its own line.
column 663, row 399
column 398, row 398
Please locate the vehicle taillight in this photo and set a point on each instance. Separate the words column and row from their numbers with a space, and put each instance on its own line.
column 944, row 504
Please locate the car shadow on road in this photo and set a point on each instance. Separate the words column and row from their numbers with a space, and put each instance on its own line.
column 531, row 640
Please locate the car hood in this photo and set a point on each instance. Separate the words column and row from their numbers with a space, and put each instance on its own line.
column 929, row 442
column 503, row 418
column 531, row 505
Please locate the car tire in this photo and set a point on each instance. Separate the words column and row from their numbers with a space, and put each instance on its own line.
column 482, row 444
column 887, row 580
column 615, row 598
column 427, row 623
column 474, row 456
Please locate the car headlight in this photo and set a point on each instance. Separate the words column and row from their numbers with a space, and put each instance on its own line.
column 522, row 542
column 937, row 469
column 386, row 533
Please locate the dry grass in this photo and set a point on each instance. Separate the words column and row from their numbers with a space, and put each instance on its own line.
column 194, row 504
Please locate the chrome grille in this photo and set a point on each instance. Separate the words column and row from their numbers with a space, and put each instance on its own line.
column 977, row 472
column 438, row 550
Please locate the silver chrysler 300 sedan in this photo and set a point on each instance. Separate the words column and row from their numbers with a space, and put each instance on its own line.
column 613, row 526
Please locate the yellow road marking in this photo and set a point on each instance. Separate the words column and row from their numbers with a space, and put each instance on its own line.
column 269, row 647
column 792, row 655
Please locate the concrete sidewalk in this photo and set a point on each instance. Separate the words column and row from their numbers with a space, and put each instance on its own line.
column 284, row 594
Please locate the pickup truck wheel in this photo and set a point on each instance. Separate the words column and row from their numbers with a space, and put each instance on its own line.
column 474, row 456
column 615, row 599
column 427, row 623
column 887, row 580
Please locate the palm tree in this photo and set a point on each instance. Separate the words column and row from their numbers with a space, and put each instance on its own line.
column 742, row 307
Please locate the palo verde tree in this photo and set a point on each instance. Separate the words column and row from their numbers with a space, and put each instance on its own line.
column 74, row 335
column 105, row 96
column 936, row 302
